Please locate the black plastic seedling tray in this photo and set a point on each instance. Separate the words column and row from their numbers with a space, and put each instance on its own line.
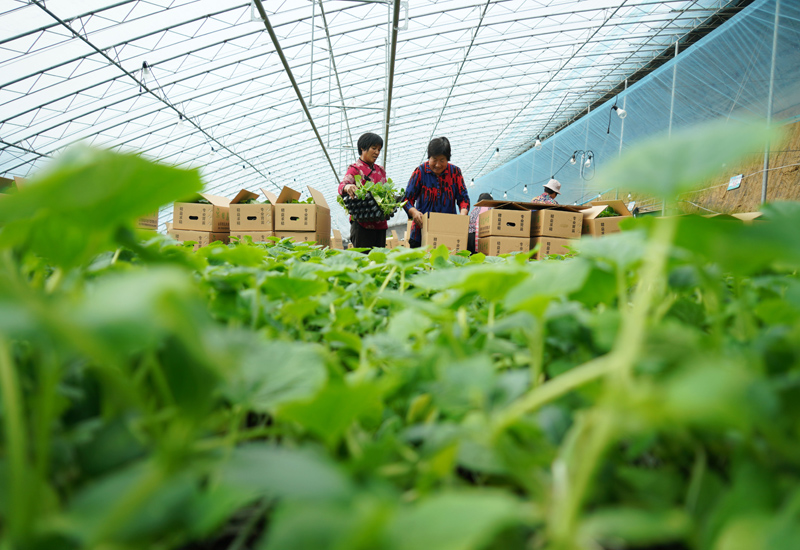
column 366, row 209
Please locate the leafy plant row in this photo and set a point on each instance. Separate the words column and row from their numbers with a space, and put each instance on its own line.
column 643, row 394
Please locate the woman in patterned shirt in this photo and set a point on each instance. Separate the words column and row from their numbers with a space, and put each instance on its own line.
column 435, row 186
column 367, row 234
column 551, row 189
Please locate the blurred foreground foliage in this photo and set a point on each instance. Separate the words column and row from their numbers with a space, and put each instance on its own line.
column 643, row 394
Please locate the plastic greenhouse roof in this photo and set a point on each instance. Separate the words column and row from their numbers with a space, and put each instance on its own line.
column 486, row 74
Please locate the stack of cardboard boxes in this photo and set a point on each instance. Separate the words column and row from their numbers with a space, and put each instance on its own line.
column 201, row 222
column 554, row 228
column 519, row 227
column 504, row 229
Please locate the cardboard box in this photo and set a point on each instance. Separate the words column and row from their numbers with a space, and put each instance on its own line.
column 257, row 236
column 148, row 222
column 337, row 241
column 508, row 220
column 454, row 242
column 748, row 217
column 194, row 216
column 169, row 226
column 495, row 246
column 322, row 237
column 246, row 217
column 202, row 238
column 550, row 222
column 393, row 241
column 301, row 217
column 592, row 225
column 447, row 229
column 12, row 185
column 551, row 245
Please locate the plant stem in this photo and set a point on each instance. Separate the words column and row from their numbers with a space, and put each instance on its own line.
column 16, row 445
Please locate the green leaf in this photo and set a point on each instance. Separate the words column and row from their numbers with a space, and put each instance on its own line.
column 463, row 520
column 264, row 470
column 270, row 374
column 331, row 412
column 77, row 206
column 635, row 527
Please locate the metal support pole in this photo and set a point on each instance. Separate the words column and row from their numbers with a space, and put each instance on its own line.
column 311, row 78
column 288, row 70
column 765, row 176
column 335, row 72
column 671, row 111
column 393, row 53
column 622, row 130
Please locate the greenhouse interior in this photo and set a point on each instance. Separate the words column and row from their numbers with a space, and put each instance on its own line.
column 399, row 275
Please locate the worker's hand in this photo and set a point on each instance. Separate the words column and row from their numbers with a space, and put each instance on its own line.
column 463, row 211
column 350, row 189
column 418, row 216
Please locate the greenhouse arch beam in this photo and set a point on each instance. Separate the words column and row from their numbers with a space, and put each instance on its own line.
column 288, row 69
column 136, row 115
column 77, row 35
column 335, row 70
column 390, row 84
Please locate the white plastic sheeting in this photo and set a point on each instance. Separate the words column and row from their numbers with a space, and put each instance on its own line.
column 726, row 75
column 487, row 74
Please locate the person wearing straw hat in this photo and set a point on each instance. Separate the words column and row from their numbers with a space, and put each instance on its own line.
column 551, row 189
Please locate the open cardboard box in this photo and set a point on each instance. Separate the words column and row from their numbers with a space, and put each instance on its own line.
column 748, row 217
column 250, row 217
column 300, row 217
column 193, row 216
column 592, row 225
column 393, row 241
column 11, row 185
column 337, row 241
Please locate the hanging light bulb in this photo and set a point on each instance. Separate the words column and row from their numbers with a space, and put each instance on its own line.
column 145, row 68
column 621, row 113
column 588, row 162
column 525, row 189
column 497, row 153
column 181, row 122
column 538, row 143
column 472, row 183
column 505, row 194
column 572, row 160
column 212, row 151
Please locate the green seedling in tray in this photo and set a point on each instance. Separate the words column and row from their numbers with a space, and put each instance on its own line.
column 608, row 213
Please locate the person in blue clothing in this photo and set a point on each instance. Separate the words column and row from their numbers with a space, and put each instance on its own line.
column 435, row 186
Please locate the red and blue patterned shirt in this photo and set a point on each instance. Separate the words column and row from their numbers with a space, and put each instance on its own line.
column 374, row 173
column 428, row 192
column 545, row 198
